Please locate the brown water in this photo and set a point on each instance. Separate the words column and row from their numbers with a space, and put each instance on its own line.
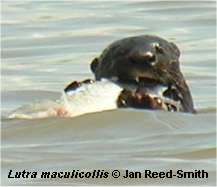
column 46, row 45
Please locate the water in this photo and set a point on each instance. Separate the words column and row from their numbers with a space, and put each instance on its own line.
column 47, row 44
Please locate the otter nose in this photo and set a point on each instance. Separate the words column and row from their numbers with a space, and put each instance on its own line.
column 149, row 58
column 146, row 59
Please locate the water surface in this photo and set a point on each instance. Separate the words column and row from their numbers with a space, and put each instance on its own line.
column 47, row 44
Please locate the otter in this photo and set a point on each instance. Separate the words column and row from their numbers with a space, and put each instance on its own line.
column 146, row 62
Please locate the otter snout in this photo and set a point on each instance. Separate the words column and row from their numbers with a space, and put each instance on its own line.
column 145, row 59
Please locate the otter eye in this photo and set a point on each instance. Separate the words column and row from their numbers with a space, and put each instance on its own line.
column 158, row 48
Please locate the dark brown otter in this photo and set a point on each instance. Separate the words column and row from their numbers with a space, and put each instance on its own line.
column 143, row 61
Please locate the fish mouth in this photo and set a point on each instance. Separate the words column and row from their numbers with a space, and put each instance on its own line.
column 147, row 92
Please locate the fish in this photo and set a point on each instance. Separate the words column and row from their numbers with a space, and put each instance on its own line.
column 90, row 96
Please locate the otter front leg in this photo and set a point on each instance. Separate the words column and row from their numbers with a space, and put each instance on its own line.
column 140, row 100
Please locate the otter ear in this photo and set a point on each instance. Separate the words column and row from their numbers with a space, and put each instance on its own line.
column 94, row 64
column 175, row 49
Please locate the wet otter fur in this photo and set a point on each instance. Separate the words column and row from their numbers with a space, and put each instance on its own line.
column 144, row 61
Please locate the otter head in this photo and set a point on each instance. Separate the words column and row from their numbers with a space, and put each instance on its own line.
column 145, row 60
column 137, row 57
